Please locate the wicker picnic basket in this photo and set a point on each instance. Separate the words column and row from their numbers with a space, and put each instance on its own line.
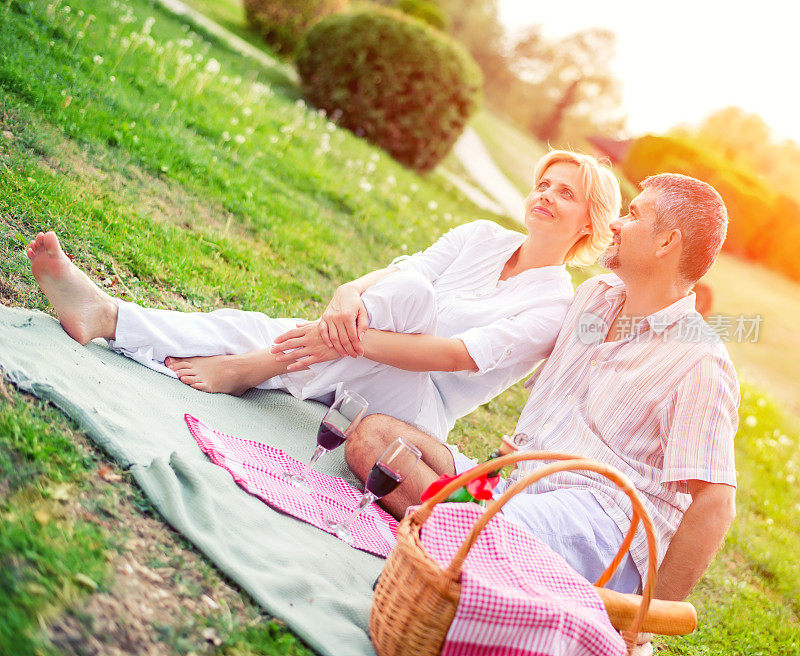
column 415, row 599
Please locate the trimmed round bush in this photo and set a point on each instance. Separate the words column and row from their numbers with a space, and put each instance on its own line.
column 392, row 79
column 283, row 23
column 425, row 11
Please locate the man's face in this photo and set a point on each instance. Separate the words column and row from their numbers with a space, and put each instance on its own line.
column 634, row 243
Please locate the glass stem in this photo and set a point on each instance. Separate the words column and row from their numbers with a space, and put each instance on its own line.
column 366, row 499
column 310, row 465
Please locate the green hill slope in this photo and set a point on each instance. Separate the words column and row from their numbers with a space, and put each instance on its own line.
column 184, row 176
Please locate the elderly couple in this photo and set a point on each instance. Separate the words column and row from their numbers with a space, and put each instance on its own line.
column 631, row 379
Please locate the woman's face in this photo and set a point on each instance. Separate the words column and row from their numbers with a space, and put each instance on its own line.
column 558, row 204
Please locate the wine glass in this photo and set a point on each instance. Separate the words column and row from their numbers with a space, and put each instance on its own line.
column 396, row 462
column 338, row 423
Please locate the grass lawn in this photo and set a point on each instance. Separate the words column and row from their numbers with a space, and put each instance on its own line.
column 181, row 175
column 747, row 288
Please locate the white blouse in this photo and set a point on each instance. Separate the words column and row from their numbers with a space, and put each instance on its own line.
column 508, row 326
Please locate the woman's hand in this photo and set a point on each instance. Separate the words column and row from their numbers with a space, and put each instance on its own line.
column 302, row 347
column 344, row 322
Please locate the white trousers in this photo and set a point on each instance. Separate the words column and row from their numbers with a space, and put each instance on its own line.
column 403, row 301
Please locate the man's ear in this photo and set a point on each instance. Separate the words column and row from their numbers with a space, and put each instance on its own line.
column 670, row 242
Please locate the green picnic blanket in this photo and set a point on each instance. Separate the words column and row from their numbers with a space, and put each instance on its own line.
column 314, row 582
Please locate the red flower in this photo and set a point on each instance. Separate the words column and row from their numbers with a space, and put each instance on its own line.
column 437, row 485
column 482, row 487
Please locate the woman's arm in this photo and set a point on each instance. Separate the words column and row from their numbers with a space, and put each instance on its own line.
column 362, row 284
column 415, row 352
column 411, row 352
column 344, row 321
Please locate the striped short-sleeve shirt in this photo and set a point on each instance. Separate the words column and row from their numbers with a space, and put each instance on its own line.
column 660, row 405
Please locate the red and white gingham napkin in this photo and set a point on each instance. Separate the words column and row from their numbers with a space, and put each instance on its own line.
column 518, row 597
column 257, row 468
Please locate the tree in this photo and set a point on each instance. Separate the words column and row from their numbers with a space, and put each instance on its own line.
column 745, row 138
column 569, row 84
column 560, row 90
column 476, row 25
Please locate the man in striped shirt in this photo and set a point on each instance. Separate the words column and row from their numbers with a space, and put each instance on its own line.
column 636, row 380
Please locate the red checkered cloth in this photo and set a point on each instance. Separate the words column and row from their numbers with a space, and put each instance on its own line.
column 257, row 468
column 518, row 597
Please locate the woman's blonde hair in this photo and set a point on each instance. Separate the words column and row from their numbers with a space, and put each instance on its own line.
column 603, row 195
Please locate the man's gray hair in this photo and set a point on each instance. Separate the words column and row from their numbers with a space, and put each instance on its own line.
column 698, row 211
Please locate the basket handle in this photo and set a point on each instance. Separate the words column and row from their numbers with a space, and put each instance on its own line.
column 565, row 462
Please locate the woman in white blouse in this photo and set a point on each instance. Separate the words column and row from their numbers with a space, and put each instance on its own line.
column 425, row 340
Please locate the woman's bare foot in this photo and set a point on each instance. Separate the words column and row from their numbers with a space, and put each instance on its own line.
column 223, row 374
column 84, row 310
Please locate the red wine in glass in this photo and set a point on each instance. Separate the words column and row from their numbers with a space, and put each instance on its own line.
column 382, row 480
column 329, row 437
column 395, row 463
column 339, row 421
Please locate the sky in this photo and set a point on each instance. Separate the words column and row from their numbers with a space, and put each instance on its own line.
column 679, row 61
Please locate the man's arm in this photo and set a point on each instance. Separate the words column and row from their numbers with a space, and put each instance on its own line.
column 697, row 540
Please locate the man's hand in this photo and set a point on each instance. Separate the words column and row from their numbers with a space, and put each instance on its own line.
column 344, row 322
column 302, row 347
